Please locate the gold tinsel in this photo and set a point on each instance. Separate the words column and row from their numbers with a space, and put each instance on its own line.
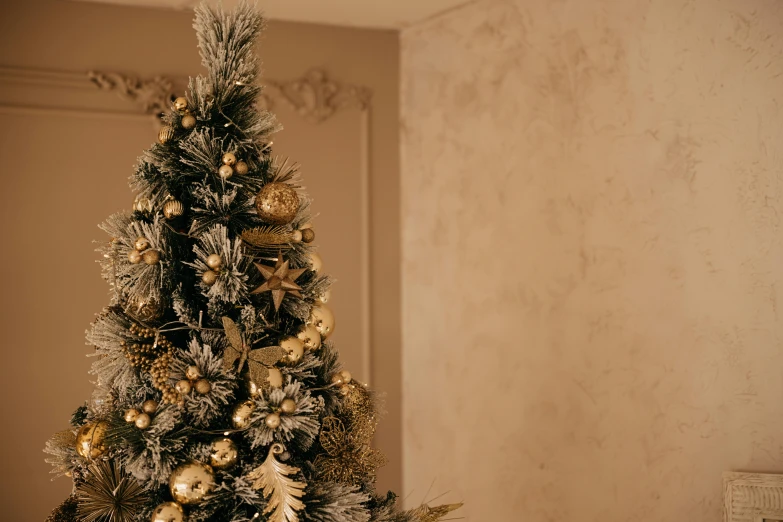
column 108, row 493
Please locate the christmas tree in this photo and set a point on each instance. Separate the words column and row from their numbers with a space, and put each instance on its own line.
column 219, row 396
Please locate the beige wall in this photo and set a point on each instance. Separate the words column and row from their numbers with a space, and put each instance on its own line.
column 593, row 256
column 67, row 150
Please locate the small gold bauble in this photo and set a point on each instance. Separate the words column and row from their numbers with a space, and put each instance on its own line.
column 143, row 421
column 308, row 235
column 229, row 159
column 288, row 406
column 192, row 372
column 141, row 244
column 131, row 414
column 294, row 348
column 165, row 133
column 241, row 168
column 275, row 378
column 240, row 416
column 183, row 387
column 209, row 277
column 191, row 482
column 173, row 209
column 310, row 337
column 214, row 261
column 223, row 454
column 346, row 375
column 90, row 440
column 150, row 406
column 272, row 420
column 134, row 256
column 168, row 512
column 181, row 103
column 188, row 121
column 323, row 319
column 316, row 263
column 225, row 171
column 203, row 386
column 151, row 257
column 337, row 379
column 296, row 236
column 277, row 203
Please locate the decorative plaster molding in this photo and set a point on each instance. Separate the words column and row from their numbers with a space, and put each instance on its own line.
column 154, row 95
column 752, row 497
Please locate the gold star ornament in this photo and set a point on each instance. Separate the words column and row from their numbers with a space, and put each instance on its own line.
column 279, row 280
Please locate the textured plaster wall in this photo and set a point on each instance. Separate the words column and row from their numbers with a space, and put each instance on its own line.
column 593, row 256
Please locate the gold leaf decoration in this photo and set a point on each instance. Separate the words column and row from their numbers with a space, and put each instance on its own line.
column 425, row 513
column 267, row 237
column 348, row 458
column 258, row 360
column 283, row 494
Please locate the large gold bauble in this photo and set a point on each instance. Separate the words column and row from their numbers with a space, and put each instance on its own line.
column 277, row 203
column 191, row 482
column 310, row 337
column 294, row 349
column 223, row 454
column 90, row 440
column 168, row 512
column 240, row 416
column 323, row 319
column 144, row 309
column 316, row 263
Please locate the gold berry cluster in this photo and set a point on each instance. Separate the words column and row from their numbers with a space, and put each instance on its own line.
column 153, row 357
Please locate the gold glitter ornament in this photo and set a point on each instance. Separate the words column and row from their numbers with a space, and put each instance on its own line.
column 241, row 168
column 151, row 257
column 188, row 121
column 172, row 209
column 191, row 482
column 143, row 309
column 310, row 337
column 308, row 235
column 90, row 439
column 150, row 406
column 282, row 493
column 203, row 386
column 277, row 203
column 143, row 421
column 259, row 360
column 223, row 453
column 168, row 512
column 240, row 416
column 165, row 134
column 323, row 319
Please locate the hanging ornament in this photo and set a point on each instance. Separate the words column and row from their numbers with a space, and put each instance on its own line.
column 325, row 296
column 90, row 439
column 108, row 493
column 279, row 280
column 258, row 361
column 165, row 134
column 277, row 203
column 150, row 406
column 181, row 104
column 168, row 512
column 191, row 482
column 323, row 319
column 316, row 263
column 274, row 379
column 241, row 168
column 283, row 494
column 143, row 308
column 310, row 337
column 223, row 453
column 173, row 209
column 294, row 349
column 240, row 416
column 308, row 235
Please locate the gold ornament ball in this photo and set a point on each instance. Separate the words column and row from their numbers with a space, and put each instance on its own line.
column 346, row 375
column 324, row 297
column 209, row 277
column 240, row 416
column 203, row 386
column 323, row 319
column 181, row 103
column 294, row 348
column 241, row 168
column 277, row 203
column 142, row 205
column 223, row 454
column 188, row 121
column 131, row 414
column 150, row 406
column 151, row 257
column 143, row 309
column 143, row 421
column 225, row 171
column 141, row 244
column 272, row 420
column 134, row 257
column 310, row 337
column 316, row 263
column 90, row 440
column 165, row 134
column 308, row 235
column 193, row 373
column 183, row 387
column 296, row 236
column 168, row 512
column 191, row 482
column 173, row 209
column 275, row 378
column 288, row 406
column 337, row 379
column 251, row 388
column 229, row 159
column 214, row 261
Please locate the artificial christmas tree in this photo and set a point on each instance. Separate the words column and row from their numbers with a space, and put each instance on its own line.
column 219, row 396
